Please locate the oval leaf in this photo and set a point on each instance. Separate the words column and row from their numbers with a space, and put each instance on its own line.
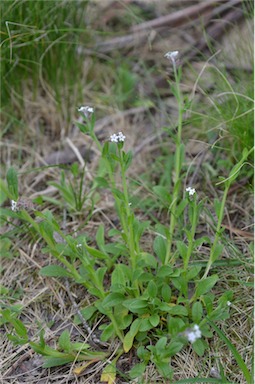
column 206, row 285
column 54, row 271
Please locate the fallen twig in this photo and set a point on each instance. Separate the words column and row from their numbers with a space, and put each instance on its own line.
column 94, row 341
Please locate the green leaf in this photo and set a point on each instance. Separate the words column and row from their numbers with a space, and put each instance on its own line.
column 12, row 181
column 16, row 340
column 182, row 248
column 206, row 285
column 56, row 361
column 129, row 337
column 84, row 128
column 165, row 271
column 164, row 369
column 113, row 299
column 154, row 320
column 127, row 157
column 109, row 373
column 173, row 310
column 120, row 276
column 102, row 182
column 166, row 292
column 3, row 191
column 197, row 312
column 123, row 316
column 217, row 252
column 174, row 347
column 180, row 208
column 147, row 260
column 54, row 271
column 135, row 305
column 175, row 325
column 19, row 328
column 100, row 272
column 163, row 194
column 193, row 272
column 87, row 313
column 181, row 284
column 236, row 169
column 236, row 354
column 105, row 149
column 161, row 343
column 5, row 250
column 145, row 325
column 118, row 194
column 217, row 207
column 197, row 380
column 64, row 341
column 199, row 347
column 80, row 347
column 137, row 370
column 108, row 332
column 152, row 289
column 159, row 247
column 96, row 253
column 100, row 237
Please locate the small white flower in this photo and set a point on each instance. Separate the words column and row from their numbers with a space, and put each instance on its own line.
column 172, row 56
column 117, row 138
column 229, row 303
column 86, row 110
column 114, row 138
column 214, row 372
column 121, row 136
column 191, row 191
column 79, row 245
column 193, row 334
column 14, row 205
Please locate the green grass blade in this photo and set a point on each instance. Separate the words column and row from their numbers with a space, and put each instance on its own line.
column 200, row 380
column 237, row 356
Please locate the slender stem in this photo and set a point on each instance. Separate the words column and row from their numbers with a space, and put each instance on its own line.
column 129, row 227
column 95, row 139
column 217, row 235
column 178, row 165
column 191, row 240
column 68, row 265
column 115, row 326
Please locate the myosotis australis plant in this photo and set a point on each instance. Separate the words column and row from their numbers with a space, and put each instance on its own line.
column 148, row 301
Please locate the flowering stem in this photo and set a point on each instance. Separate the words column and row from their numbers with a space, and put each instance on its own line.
column 178, row 165
column 95, row 139
column 111, row 177
column 130, row 230
column 213, row 254
column 191, row 238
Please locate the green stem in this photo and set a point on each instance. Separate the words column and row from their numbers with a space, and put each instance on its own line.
column 115, row 326
column 111, row 177
column 191, row 240
column 217, row 235
column 129, row 231
column 178, row 166
column 68, row 265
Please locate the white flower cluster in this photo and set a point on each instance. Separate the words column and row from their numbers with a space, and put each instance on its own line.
column 117, row 137
column 86, row 110
column 14, row 207
column 191, row 191
column 193, row 334
column 172, row 56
